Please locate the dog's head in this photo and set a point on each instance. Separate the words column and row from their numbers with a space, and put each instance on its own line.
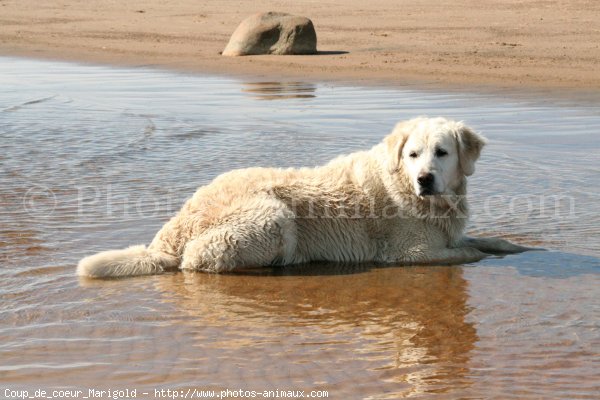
column 434, row 154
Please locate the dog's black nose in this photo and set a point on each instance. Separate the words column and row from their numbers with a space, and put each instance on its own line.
column 425, row 180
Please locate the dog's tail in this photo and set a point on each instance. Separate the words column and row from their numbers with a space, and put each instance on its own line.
column 134, row 260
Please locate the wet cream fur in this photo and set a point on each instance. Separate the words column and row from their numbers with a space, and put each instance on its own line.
column 359, row 207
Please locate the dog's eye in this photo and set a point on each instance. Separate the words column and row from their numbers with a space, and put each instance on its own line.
column 413, row 154
column 441, row 153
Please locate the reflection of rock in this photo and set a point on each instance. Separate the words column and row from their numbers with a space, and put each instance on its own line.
column 280, row 90
column 401, row 329
column 273, row 33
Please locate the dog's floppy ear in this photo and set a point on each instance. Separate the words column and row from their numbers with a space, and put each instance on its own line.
column 470, row 144
column 394, row 142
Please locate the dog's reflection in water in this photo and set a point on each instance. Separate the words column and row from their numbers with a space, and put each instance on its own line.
column 401, row 325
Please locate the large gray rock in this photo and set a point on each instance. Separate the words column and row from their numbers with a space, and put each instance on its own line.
column 273, row 33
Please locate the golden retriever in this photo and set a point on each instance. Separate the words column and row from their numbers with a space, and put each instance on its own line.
column 403, row 201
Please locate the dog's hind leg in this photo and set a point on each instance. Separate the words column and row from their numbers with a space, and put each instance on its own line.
column 252, row 237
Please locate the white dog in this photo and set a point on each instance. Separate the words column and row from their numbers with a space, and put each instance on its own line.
column 403, row 201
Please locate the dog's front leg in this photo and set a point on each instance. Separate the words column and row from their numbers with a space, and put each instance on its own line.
column 493, row 245
column 453, row 256
column 438, row 256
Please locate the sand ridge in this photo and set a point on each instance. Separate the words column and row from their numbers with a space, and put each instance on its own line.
column 513, row 43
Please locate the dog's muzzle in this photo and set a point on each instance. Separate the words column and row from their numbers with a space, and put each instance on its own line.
column 426, row 183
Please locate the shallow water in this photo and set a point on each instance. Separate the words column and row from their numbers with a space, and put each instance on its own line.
column 94, row 158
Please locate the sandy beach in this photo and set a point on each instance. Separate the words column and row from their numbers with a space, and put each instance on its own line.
column 513, row 43
column 95, row 158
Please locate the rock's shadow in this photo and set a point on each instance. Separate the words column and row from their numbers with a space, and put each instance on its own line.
column 330, row 52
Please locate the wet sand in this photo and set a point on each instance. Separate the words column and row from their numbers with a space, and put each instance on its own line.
column 511, row 43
